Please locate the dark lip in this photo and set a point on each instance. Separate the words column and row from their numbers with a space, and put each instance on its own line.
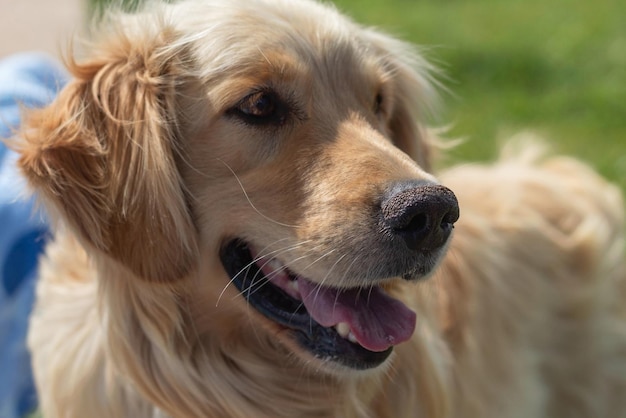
column 323, row 343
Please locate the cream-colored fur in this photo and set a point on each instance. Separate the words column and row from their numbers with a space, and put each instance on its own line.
column 146, row 171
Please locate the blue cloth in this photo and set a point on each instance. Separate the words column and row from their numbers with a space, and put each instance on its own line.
column 26, row 80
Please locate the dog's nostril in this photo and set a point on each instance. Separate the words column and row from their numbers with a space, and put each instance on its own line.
column 419, row 222
column 422, row 215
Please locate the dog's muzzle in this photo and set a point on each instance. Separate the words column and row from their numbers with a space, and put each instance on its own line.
column 358, row 326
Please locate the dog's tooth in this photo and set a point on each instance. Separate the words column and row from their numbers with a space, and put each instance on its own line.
column 343, row 329
column 352, row 338
column 294, row 285
column 275, row 265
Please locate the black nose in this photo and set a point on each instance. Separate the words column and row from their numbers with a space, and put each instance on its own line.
column 422, row 214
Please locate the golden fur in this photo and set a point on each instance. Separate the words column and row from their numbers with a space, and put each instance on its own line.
column 146, row 172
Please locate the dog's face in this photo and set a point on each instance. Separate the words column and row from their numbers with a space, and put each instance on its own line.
column 270, row 158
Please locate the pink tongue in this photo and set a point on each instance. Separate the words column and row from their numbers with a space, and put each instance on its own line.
column 377, row 320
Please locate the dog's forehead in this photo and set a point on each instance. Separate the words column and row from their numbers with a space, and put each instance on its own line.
column 297, row 65
column 279, row 38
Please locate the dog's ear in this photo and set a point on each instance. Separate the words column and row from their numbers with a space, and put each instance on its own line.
column 415, row 96
column 104, row 155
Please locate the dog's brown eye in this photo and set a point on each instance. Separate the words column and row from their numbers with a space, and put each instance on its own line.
column 261, row 108
column 259, row 105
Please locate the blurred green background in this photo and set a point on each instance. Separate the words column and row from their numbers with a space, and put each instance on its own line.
column 554, row 67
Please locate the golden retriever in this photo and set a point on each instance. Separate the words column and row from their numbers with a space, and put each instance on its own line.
column 247, row 226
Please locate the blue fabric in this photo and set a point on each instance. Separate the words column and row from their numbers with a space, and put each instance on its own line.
column 26, row 80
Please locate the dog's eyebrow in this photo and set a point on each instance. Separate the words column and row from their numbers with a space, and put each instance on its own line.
column 229, row 91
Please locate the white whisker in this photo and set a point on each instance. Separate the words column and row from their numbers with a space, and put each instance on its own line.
column 273, row 273
column 259, row 257
column 245, row 193
column 320, row 258
column 344, row 276
column 322, row 283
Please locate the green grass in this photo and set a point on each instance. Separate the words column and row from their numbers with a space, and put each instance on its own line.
column 555, row 67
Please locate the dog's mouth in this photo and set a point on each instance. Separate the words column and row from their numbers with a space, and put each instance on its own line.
column 355, row 327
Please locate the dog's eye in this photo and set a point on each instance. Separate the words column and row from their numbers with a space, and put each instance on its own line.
column 261, row 108
column 378, row 103
column 258, row 105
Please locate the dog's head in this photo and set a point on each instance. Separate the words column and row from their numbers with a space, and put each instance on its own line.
column 269, row 151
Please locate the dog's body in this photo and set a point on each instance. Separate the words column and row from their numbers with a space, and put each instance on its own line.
column 212, row 165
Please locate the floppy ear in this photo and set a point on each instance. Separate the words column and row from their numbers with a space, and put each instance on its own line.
column 414, row 94
column 104, row 155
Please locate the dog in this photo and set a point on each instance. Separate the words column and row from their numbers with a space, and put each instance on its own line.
column 247, row 224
